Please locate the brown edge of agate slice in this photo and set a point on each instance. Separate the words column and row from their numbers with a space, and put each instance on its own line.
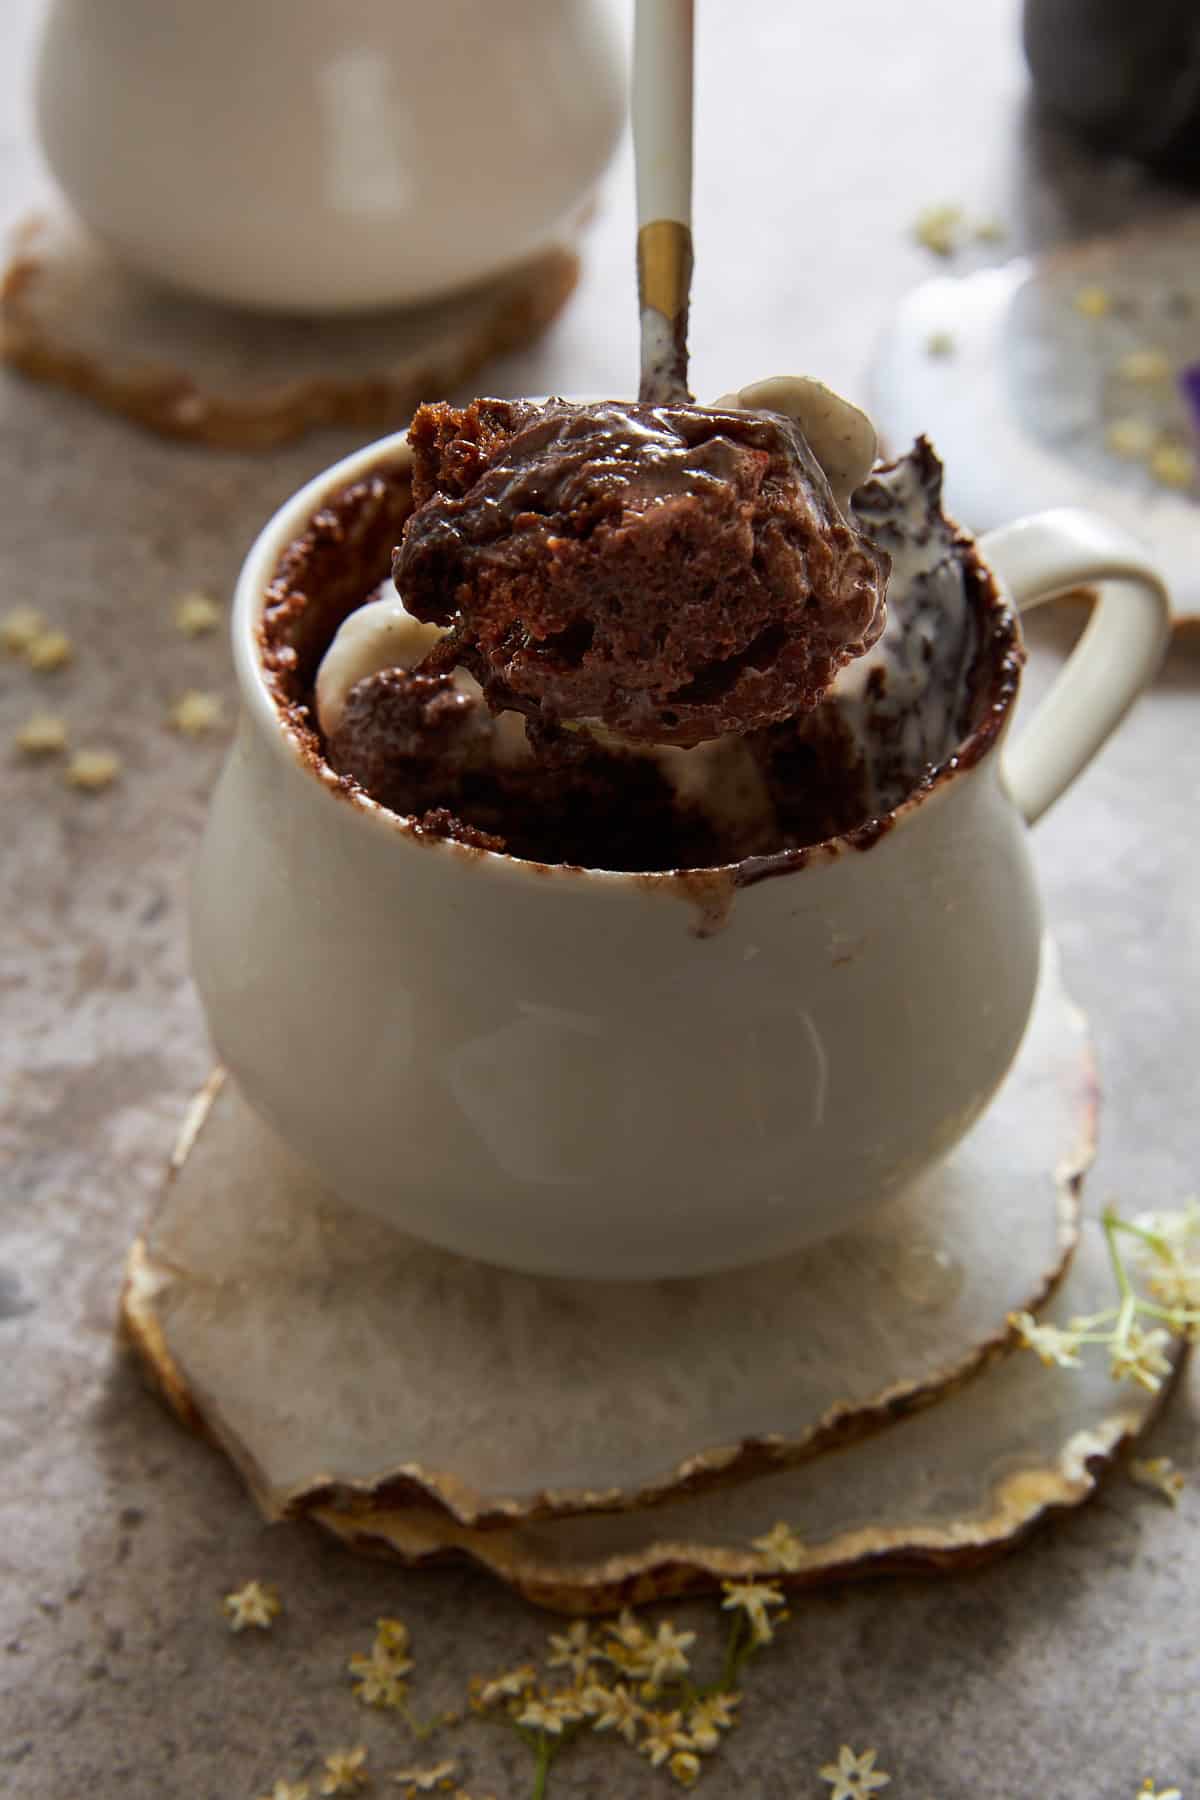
column 167, row 393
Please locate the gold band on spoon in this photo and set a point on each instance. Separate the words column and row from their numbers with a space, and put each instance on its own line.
column 664, row 259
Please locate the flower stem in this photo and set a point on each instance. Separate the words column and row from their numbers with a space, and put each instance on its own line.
column 733, row 1660
column 541, row 1774
column 1112, row 1224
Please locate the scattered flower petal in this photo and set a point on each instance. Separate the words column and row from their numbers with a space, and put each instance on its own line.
column 1174, row 465
column 255, row 1604
column 345, row 1771
column 92, row 769
column 1132, row 438
column 288, row 1790
column 940, row 229
column 1148, row 1791
column 1144, row 366
column 940, row 343
column 1093, row 302
column 194, row 713
column 20, row 628
column 196, row 613
column 853, row 1777
column 49, row 650
column 43, row 734
column 1160, row 1473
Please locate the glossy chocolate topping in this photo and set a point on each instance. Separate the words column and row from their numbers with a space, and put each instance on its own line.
column 674, row 573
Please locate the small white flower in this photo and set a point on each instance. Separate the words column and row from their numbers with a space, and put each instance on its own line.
column 627, row 1645
column 781, row 1544
column 666, row 1653
column 664, row 1736
column 572, row 1649
column 255, row 1604
column 709, row 1718
column 613, row 1709
column 509, row 1686
column 542, row 1715
column 1046, row 1341
column 424, row 1781
column 378, row 1680
column 753, row 1598
column 1139, row 1357
column 345, row 1771
column 854, row 1777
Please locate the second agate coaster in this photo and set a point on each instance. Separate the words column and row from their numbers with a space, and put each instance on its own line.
column 1053, row 381
column 351, row 1372
column 237, row 379
column 948, row 1487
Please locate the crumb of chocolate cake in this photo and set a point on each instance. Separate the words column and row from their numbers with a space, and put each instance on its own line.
column 440, row 822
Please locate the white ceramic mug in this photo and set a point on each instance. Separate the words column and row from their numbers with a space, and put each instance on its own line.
column 549, row 1068
column 306, row 156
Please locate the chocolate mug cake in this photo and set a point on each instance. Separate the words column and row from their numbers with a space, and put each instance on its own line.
column 382, row 694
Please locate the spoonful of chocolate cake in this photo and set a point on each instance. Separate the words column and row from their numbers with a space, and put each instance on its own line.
column 666, row 571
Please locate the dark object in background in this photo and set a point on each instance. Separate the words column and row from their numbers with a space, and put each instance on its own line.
column 1125, row 73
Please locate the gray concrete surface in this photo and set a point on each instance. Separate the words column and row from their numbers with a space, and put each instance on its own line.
column 1068, row 1670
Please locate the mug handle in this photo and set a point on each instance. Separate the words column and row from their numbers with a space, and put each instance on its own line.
column 1034, row 560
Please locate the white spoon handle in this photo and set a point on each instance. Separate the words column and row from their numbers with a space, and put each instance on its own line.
column 662, row 140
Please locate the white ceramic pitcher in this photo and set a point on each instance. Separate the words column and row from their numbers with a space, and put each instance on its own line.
column 309, row 156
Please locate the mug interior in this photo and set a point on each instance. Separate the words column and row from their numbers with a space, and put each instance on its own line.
column 923, row 706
